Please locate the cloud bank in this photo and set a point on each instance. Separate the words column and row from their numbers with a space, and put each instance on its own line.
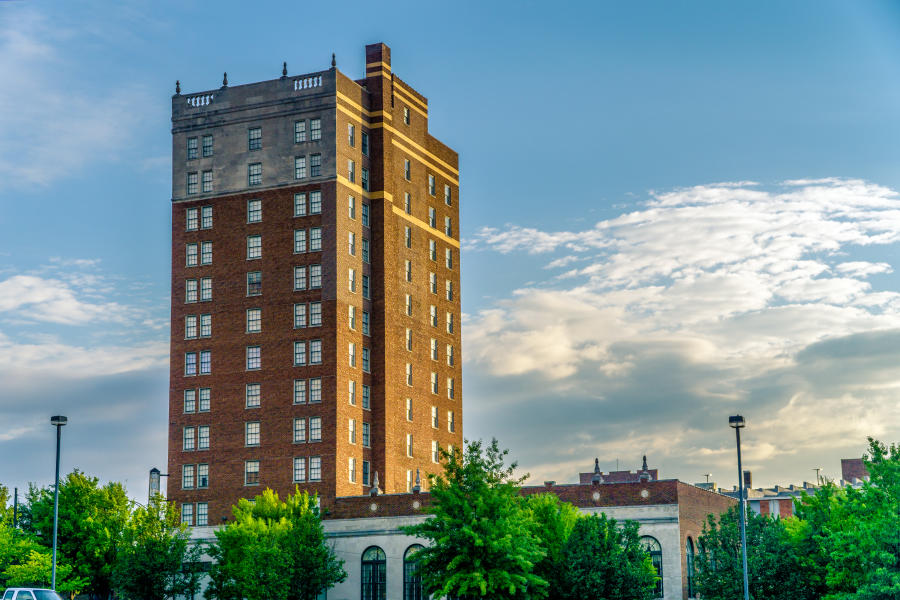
column 703, row 302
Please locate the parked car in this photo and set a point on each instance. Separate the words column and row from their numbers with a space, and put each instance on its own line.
column 30, row 594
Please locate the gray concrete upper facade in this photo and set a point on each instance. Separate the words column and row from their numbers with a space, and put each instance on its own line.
column 227, row 114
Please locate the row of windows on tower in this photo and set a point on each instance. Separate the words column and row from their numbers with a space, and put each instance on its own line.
column 432, row 184
column 304, row 130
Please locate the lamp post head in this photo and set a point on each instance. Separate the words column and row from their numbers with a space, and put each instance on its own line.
column 736, row 422
column 58, row 420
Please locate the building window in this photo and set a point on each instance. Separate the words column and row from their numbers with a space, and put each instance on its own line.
column 407, row 237
column 205, row 253
column 315, row 165
column 365, row 472
column 315, row 276
column 315, row 314
column 689, row 564
column 192, row 219
column 366, row 365
column 187, row 514
column 431, row 189
column 448, row 227
column 254, row 283
column 351, row 243
column 190, row 255
column 408, row 374
column 412, row 579
column 254, row 358
column 409, row 409
column 374, row 574
column 351, row 354
column 205, row 394
column 447, row 199
column 315, row 352
column 315, row 239
column 299, row 278
column 406, row 115
column 407, row 170
column 365, row 323
column 365, row 287
column 205, row 289
column 254, row 320
column 202, row 477
column 351, row 317
column 351, row 392
column 366, row 397
column 315, row 390
column 448, row 289
column 202, row 432
column 432, row 249
column 351, row 467
column 299, row 131
column 450, row 355
column 252, row 394
column 408, row 305
column 366, row 435
column 190, row 401
column 365, row 214
column 365, row 143
column 188, row 439
column 351, row 280
column 254, row 174
column 206, row 221
column 652, row 547
column 449, row 322
column 432, row 315
column 254, row 211
column 407, row 265
column 299, row 469
column 315, row 129
column 409, row 480
column 299, row 354
column 365, row 250
column 351, row 171
column 251, row 433
column 190, row 363
column 299, row 316
column 351, row 135
column 202, row 514
column 254, row 138
column 351, row 430
column 451, row 421
column 299, row 167
column 435, row 423
column 251, row 472
column 299, row 391
column 434, row 382
column 365, row 179
column 299, row 431
column 315, row 468
column 207, row 146
column 205, row 326
column 192, row 148
column 190, row 290
column 407, row 203
column 351, row 207
column 299, row 205
column 432, row 217
column 206, row 182
column 254, row 247
column 448, row 258
column 190, row 327
column 435, row 452
column 299, row 241
column 192, row 179
column 451, row 391
column 315, row 202
column 409, row 339
column 432, row 283
column 433, row 349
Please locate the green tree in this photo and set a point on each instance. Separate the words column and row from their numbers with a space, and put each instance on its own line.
column 273, row 549
column 26, row 563
column 91, row 522
column 774, row 564
column 482, row 541
column 156, row 558
column 552, row 523
column 5, row 509
column 604, row 560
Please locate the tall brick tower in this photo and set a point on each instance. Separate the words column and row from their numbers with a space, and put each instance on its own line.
column 315, row 289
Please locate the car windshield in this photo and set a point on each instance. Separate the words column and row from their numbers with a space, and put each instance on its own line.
column 46, row 595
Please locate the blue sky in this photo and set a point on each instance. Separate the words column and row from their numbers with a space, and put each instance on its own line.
column 671, row 211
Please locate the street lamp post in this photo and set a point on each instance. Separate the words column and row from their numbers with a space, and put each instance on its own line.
column 57, row 421
column 737, row 423
column 155, row 475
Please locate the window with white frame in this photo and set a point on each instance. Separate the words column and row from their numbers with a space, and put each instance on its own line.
column 315, row 239
column 450, row 388
column 451, row 421
column 351, row 280
column 408, row 306
column 407, row 203
column 431, row 186
column 408, row 270
column 406, row 115
column 254, row 247
column 351, row 392
column 448, row 258
column 315, row 468
column 448, row 227
column 365, row 214
column 407, row 237
column 254, row 174
column 205, row 326
column 252, row 395
column 315, row 429
column 206, row 217
column 300, row 205
column 191, row 256
column 206, row 181
column 192, row 148
column 205, row 289
column 365, row 250
column 448, row 289
column 432, row 283
column 299, row 469
column 447, row 199
column 351, row 354
column 365, row 287
column 299, row 167
column 432, row 218
column 407, row 169
column 299, row 241
column 190, row 326
column 351, row 430
column 351, row 135
column 315, row 277
column 366, row 435
column 299, row 316
column 187, row 514
column 299, row 131
column 364, row 180
column 190, row 363
column 351, row 465
column 434, row 349
column 351, row 171
column 203, row 436
column 202, row 477
column 432, row 249
column 435, row 423
column 434, row 382
column 251, row 472
column 205, row 253
column 192, row 179
column 315, row 165
column 299, row 391
column 190, row 401
column 449, row 322
column 366, row 397
column 315, row 352
column 432, row 315
column 299, row 354
column 299, row 430
column 315, row 202
column 254, row 211
column 315, row 129
column 299, row 278
column 365, row 322
column 254, row 320
column 254, row 283
column 254, row 358
column 450, row 355
column 315, row 390
column 202, row 514
column 366, row 362
column 408, row 374
column 351, row 207
column 192, row 219
column 207, row 146
column 254, row 138
column 351, row 317
column 365, row 143
column 409, row 409
column 205, row 395
column 410, row 482
column 409, row 445
column 409, row 339
column 251, row 433
column 188, row 439
column 435, row 452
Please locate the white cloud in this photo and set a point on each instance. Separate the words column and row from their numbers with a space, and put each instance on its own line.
column 701, row 301
column 30, row 297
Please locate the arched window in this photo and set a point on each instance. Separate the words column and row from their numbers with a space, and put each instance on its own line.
column 689, row 565
column 374, row 574
column 651, row 546
column 412, row 581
